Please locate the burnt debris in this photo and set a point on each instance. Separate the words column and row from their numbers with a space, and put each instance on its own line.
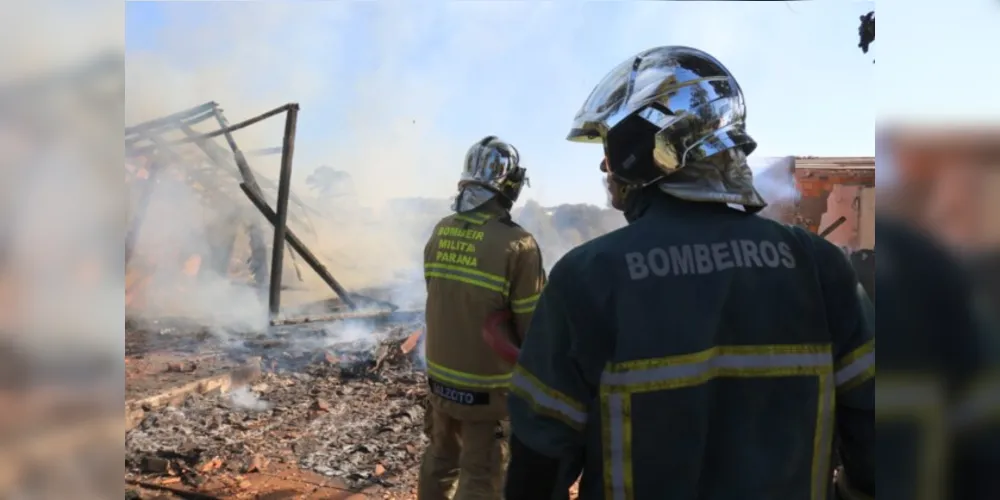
column 346, row 408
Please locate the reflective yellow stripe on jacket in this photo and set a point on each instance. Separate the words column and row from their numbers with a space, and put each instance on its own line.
column 478, row 218
column 546, row 400
column 463, row 379
column 525, row 305
column 467, row 275
column 857, row 367
column 621, row 380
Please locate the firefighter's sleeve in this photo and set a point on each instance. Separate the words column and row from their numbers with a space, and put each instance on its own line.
column 526, row 282
column 852, row 323
column 556, row 375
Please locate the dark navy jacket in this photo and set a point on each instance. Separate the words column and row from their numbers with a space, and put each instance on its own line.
column 701, row 353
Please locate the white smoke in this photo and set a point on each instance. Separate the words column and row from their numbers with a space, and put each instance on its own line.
column 774, row 179
column 175, row 227
column 244, row 399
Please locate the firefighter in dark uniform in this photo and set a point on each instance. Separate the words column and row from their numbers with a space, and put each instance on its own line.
column 701, row 351
column 939, row 392
column 938, row 399
column 476, row 263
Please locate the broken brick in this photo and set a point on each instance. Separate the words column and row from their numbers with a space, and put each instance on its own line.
column 211, row 465
column 412, row 341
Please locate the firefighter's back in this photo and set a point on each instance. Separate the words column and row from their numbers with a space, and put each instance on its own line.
column 720, row 384
column 467, row 265
column 477, row 262
column 470, row 266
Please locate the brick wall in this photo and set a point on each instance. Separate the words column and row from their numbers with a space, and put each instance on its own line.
column 831, row 190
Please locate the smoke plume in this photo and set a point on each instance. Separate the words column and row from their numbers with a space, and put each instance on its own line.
column 392, row 94
column 774, row 179
column 60, row 152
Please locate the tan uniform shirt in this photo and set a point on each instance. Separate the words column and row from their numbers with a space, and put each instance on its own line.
column 476, row 263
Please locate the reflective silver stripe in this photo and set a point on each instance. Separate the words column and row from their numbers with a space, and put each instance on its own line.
column 722, row 361
column 854, row 369
column 468, row 276
column 466, row 380
column 619, row 386
column 547, row 398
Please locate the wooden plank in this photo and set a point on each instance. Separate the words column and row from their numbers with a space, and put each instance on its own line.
column 135, row 410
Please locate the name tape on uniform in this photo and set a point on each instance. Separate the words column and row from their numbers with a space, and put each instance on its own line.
column 462, row 397
column 701, row 258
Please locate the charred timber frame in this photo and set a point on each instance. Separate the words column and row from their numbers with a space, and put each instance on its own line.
column 833, row 227
column 145, row 196
column 249, row 185
column 281, row 220
column 296, row 243
column 258, row 259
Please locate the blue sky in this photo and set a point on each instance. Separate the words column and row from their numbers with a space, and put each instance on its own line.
column 395, row 92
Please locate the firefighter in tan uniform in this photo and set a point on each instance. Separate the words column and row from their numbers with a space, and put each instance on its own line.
column 476, row 263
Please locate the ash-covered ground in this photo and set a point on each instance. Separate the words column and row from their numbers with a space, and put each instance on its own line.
column 343, row 400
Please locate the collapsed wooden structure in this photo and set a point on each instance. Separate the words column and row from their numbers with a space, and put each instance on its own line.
column 225, row 174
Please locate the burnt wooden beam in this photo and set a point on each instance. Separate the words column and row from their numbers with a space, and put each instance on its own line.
column 300, row 248
column 281, row 219
column 833, row 227
column 142, row 208
column 232, row 128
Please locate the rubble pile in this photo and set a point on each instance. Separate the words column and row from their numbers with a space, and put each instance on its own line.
column 352, row 411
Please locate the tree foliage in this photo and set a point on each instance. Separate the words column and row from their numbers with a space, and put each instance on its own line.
column 866, row 31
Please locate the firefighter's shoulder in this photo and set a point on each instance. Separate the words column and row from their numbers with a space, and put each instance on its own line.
column 594, row 259
column 446, row 221
column 517, row 237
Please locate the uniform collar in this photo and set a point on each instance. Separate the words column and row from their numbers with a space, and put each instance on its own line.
column 651, row 199
column 493, row 207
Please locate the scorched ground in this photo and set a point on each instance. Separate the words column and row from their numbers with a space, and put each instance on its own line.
column 220, row 415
